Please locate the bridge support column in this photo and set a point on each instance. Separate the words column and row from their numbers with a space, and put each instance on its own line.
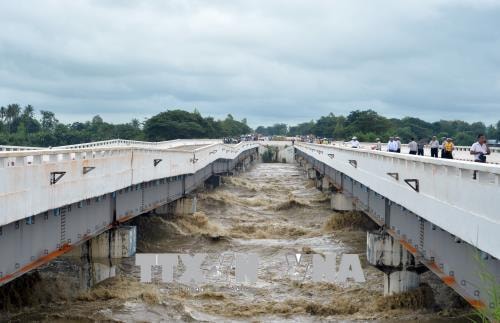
column 341, row 202
column 93, row 269
column 213, row 182
column 186, row 205
column 325, row 184
column 182, row 206
column 246, row 163
column 238, row 168
column 98, row 255
column 115, row 243
column 401, row 272
column 311, row 173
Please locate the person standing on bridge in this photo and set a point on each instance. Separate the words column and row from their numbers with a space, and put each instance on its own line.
column 413, row 146
column 443, row 140
column 354, row 142
column 392, row 146
column 448, row 148
column 434, row 144
column 398, row 143
column 479, row 149
column 420, row 147
column 378, row 145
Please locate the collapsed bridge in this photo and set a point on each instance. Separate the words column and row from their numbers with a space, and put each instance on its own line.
column 434, row 214
column 55, row 199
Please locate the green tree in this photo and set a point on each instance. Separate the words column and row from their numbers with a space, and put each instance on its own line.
column 366, row 121
column 48, row 121
column 339, row 130
column 174, row 124
column 232, row 128
column 302, row 129
column 325, row 126
column 12, row 115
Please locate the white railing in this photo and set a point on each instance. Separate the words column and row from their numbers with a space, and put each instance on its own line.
column 120, row 143
column 143, row 144
column 25, row 176
column 17, row 148
column 460, row 152
column 448, row 194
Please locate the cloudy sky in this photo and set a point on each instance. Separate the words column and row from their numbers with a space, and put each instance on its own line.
column 266, row 60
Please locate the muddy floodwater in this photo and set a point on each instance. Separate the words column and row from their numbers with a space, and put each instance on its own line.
column 271, row 210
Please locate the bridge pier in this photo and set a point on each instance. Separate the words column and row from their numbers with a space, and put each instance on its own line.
column 247, row 162
column 299, row 160
column 326, row 185
column 115, row 243
column 213, row 182
column 98, row 255
column 311, row 173
column 401, row 270
column 341, row 202
column 186, row 205
column 243, row 164
column 183, row 206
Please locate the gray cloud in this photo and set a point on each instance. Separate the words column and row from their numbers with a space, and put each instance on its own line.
column 269, row 61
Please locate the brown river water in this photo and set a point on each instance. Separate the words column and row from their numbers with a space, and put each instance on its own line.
column 273, row 211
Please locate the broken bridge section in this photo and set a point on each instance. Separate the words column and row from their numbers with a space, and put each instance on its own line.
column 433, row 214
column 53, row 200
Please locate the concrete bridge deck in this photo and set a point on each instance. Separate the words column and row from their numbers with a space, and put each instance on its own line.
column 443, row 212
column 53, row 199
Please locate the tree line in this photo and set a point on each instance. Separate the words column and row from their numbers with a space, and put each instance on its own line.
column 22, row 126
column 368, row 125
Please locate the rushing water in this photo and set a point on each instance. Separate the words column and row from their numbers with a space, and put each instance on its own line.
column 272, row 211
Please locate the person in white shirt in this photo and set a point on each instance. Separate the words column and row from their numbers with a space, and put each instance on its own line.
column 392, row 145
column 413, row 146
column 354, row 142
column 398, row 143
column 479, row 149
column 378, row 145
column 434, row 144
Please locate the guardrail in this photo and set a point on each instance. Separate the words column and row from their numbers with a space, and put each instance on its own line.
column 461, row 197
column 384, row 146
column 17, row 148
column 34, row 181
column 136, row 143
column 460, row 152
column 119, row 143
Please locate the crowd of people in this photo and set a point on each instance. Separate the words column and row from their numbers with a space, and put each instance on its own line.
column 438, row 148
column 479, row 149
